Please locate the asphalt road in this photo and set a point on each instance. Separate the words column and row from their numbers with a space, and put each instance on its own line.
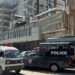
column 41, row 72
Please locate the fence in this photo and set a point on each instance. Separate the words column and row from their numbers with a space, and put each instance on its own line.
column 18, row 32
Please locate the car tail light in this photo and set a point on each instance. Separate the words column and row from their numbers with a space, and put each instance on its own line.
column 69, row 62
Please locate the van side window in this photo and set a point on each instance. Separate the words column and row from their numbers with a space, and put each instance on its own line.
column 1, row 54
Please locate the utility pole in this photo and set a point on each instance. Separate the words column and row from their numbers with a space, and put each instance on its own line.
column 55, row 2
column 37, row 6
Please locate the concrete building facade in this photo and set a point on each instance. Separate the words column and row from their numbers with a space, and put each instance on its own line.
column 29, row 35
column 6, row 13
column 71, row 17
column 28, row 8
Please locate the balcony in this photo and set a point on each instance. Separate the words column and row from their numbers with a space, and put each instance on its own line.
column 20, row 34
column 71, row 4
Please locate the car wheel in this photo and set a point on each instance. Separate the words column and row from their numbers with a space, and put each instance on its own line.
column 54, row 68
column 1, row 71
column 17, row 71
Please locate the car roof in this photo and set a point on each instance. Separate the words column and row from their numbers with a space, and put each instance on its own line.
column 4, row 48
column 55, row 43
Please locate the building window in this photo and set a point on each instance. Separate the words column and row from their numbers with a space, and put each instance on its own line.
column 35, row 12
column 24, row 0
column 41, row 5
column 46, row 7
column 30, row 3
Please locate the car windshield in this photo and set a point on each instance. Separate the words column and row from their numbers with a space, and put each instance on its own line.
column 25, row 53
column 12, row 54
column 33, row 53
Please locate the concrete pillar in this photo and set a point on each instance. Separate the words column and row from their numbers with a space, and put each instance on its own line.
column 72, row 24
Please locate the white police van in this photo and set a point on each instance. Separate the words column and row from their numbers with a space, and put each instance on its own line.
column 10, row 59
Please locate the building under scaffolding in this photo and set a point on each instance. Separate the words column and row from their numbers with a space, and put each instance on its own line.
column 60, row 24
column 28, row 36
column 7, row 10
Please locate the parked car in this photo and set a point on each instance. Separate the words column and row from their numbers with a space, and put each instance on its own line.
column 24, row 53
column 10, row 59
column 27, row 55
column 49, row 56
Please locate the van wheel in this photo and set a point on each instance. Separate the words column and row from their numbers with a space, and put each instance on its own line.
column 1, row 71
column 17, row 71
column 54, row 67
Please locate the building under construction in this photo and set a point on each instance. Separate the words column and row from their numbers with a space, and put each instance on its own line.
column 59, row 24
column 6, row 13
column 65, row 22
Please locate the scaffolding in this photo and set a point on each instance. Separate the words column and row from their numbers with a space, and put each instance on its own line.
column 6, row 11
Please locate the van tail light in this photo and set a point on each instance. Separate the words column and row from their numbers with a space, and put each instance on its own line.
column 69, row 62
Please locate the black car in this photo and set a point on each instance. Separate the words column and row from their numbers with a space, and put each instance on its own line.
column 27, row 57
column 53, row 59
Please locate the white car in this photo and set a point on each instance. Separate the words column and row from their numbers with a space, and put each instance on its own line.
column 10, row 59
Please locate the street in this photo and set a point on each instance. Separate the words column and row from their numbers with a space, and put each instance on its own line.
column 41, row 72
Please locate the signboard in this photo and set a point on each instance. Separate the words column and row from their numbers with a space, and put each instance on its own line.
column 58, row 52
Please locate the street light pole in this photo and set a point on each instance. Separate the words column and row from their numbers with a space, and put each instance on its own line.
column 12, row 15
column 48, row 1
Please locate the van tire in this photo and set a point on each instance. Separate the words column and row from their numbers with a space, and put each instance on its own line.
column 1, row 71
column 17, row 71
column 54, row 67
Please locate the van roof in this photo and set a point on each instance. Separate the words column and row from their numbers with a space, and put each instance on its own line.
column 3, row 48
column 55, row 43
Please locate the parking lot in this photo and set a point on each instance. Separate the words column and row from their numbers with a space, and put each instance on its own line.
column 42, row 72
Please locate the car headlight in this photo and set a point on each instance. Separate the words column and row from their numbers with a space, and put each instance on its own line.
column 7, row 62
